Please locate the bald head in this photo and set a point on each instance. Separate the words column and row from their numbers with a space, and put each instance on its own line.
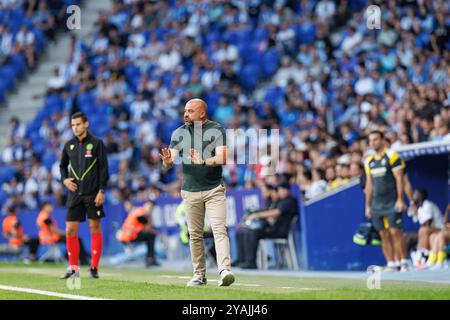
column 198, row 103
column 195, row 110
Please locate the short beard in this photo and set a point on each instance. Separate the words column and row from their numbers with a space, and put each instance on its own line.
column 378, row 149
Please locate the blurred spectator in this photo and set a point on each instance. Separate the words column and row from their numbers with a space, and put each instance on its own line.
column 25, row 41
column 138, row 227
column 431, row 223
column 274, row 222
column 318, row 184
column 56, row 83
column 12, row 230
column 438, row 255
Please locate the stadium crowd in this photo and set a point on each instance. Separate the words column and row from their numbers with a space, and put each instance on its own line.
column 26, row 26
column 312, row 69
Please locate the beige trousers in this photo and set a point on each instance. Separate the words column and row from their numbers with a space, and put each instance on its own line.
column 214, row 204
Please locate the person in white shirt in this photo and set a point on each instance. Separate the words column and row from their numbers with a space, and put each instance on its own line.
column 439, row 243
column 6, row 41
column 133, row 51
column 428, row 213
column 431, row 222
column 25, row 43
column 170, row 59
column 145, row 130
column 365, row 84
column 210, row 77
column 100, row 43
column 289, row 70
column 318, row 183
column 325, row 9
column 153, row 49
column 139, row 107
column 351, row 40
column 285, row 38
column 56, row 82
column 227, row 52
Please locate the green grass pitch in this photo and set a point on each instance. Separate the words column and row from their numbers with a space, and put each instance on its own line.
column 161, row 284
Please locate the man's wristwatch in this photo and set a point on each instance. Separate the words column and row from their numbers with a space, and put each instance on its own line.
column 101, row 190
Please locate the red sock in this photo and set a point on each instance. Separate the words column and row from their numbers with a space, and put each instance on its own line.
column 73, row 250
column 96, row 249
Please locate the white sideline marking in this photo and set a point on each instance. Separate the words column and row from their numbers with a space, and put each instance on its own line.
column 310, row 289
column 247, row 284
column 242, row 284
column 49, row 293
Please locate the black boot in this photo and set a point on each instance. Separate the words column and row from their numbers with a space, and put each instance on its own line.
column 94, row 273
column 151, row 262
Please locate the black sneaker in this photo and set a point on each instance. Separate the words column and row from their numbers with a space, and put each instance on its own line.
column 94, row 273
column 151, row 262
column 70, row 273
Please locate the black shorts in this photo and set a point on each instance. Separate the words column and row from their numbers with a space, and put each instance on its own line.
column 86, row 204
column 388, row 220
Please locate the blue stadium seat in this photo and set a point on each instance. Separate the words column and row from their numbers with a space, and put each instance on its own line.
column 7, row 173
column 260, row 34
column 305, row 34
column 31, row 127
column 40, row 39
column 2, row 92
column 244, row 36
column 101, row 130
column 167, row 78
column 17, row 12
column 274, row 95
column 166, row 130
column 212, row 100
column 212, row 37
column 48, row 159
column 104, row 109
column 133, row 74
column 113, row 166
column 39, row 147
column 8, row 75
column 249, row 76
column 19, row 63
column 270, row 62
column 249, row 52
column 98, row 122
column 3, row 197
column 53, row 103
column 132, row 70
column 86, row 99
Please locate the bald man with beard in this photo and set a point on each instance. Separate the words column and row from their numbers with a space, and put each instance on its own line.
column 201, row 144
